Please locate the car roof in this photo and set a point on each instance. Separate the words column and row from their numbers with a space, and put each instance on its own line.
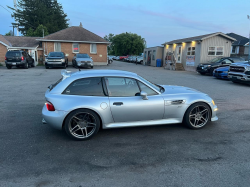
column 93, row 73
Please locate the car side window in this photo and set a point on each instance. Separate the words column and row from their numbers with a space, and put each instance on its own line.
column 86, row 87
column 122, row 87
column 146, row 89
column 227, row 61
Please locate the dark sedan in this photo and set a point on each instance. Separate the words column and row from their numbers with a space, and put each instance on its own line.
column 56, row 59
column 216, row 63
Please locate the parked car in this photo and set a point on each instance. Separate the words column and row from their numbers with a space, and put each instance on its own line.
column 117, row 58
column 83, row 101
column 240, row 73
column 82, row 60
column 215, row 63
column 56, row 59
column 19, row 59
column 222, row 72
column 140, row 60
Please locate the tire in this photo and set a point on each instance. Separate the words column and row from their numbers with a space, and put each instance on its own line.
column 26, row 65
column 33, row 64
column 65, row 65
column 82, row 124
column 8, row 67
column 211, row 71
column 46, row 66
column 92, row 67
column 197, row 116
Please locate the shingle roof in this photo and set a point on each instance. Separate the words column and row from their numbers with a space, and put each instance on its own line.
column 22, row 41
column 197, row 38
column 74, row 33
column 241, row 40
column 4, row 41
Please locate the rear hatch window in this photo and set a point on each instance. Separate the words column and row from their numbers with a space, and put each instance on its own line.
column 13, row 54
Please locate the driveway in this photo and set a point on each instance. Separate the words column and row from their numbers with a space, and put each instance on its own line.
column 34, row 154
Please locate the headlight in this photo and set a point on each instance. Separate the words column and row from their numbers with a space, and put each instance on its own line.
column 63, row 60
column 213, row 102
column 248, row 68
column 46, row 60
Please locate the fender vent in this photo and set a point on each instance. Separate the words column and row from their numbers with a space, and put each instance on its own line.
column 176, row 102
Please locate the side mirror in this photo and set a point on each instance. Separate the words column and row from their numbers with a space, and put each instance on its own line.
column 91, row 57
column 45, row 55
column 144, row 95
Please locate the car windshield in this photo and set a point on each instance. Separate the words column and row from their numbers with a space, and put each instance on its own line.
column 56, row 54
column 158, row 88
column 82, row 56
column 215, row 60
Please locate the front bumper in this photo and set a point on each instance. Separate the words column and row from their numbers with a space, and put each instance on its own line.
column 202, row 70
column 221, row 75
column 55, row 64
column 53, row 118
column 84, row 64
column 239, row 77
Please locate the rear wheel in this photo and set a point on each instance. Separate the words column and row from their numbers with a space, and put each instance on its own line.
column 82, row 124
column 33, row 64
column 26, row 65
column 197, row 115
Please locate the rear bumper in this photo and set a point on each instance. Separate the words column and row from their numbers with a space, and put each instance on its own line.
column 53, row 118
column 14, row 63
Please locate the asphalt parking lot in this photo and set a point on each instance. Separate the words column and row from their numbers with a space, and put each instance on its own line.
column 34, row 154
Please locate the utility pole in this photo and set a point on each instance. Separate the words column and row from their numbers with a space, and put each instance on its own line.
column 17, row 32
column 248, row 17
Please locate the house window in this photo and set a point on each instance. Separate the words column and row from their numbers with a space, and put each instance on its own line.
column 234, row 49
column 216, row 51
column 75, row 47
column 93, row 48
column 57, row 47
column 153, row 55
column 191, row 51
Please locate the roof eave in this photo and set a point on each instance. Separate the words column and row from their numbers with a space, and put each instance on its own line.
column 219, row 33
column 71, row 41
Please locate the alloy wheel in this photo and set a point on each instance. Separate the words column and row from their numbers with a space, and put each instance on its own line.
column 199, row 116
column 82, row 125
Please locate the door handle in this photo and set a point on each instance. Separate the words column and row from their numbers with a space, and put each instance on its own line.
column 118, row 103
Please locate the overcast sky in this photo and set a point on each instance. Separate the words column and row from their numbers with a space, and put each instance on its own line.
column 157, row 21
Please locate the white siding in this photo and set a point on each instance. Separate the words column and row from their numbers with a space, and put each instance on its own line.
column 211, row 42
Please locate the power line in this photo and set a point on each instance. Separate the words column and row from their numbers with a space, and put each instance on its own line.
column 6, row 9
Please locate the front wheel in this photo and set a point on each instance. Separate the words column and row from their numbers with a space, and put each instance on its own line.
column 82, row 124
column 197, row 115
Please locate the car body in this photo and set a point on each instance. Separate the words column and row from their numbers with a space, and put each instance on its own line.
column 18, row 58
column 221, row 73
column 113, row 99
column 56, row 59
column 82, row 60
column 239, row 72
column 216, row 63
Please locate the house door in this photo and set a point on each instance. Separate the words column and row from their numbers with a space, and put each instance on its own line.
column 178, row 55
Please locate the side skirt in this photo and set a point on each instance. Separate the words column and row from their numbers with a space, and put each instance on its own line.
column 142, row 123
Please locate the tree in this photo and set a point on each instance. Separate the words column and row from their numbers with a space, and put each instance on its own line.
column 10, row 33
column 32, row 13
column 128, row 44
column 39, row 32
column 109, row 38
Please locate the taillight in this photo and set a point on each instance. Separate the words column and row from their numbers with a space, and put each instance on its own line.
column 5, row 58
column 50, row 106
column 22, row 58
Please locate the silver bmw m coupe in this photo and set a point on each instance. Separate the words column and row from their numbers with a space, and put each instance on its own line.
column 82, row 102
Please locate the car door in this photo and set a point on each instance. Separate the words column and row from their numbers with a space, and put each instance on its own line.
column 126, row 103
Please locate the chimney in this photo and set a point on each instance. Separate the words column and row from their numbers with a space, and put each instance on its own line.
column 80, row 24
